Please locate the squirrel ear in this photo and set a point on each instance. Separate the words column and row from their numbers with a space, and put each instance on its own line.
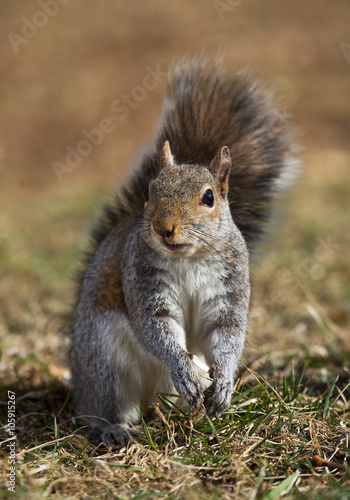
column 220, row 168
column 166, row 158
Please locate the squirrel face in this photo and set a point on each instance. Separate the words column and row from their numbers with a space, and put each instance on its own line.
column 185, row 205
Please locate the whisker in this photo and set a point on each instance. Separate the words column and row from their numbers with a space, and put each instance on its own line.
column 196, row 233
column 111, row 195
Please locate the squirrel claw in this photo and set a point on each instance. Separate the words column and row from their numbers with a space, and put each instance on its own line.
column 217, row 399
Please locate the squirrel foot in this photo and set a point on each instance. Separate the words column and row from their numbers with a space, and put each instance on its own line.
column 116, row 434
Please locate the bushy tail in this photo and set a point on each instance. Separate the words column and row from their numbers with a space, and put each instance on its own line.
column 206, row 107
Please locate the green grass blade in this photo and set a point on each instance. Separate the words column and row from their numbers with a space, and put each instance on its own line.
column 282, row 488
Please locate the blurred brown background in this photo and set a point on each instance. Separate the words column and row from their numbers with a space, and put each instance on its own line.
column 64, row 66
column 62, row 77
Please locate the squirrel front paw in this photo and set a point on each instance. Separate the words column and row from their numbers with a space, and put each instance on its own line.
column 187, row 384
column 217, row 397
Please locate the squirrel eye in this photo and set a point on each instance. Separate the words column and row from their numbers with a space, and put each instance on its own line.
column 208, row 198
column 146, row 194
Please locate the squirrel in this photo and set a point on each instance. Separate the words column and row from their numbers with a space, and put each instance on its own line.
column 168, row 275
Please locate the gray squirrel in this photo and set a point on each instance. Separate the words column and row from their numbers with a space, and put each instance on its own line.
column 167, row 276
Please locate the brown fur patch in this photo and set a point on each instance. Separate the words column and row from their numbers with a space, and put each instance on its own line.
column 110, row 290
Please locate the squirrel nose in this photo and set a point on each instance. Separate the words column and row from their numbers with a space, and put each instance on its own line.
column 164, row 229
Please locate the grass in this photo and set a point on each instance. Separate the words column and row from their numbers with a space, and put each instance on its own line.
column 262, row 447
column 287, row 431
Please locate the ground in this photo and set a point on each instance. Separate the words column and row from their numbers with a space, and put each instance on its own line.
column 63, row 74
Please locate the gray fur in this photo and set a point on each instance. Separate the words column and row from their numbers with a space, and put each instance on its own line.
column 170, row 276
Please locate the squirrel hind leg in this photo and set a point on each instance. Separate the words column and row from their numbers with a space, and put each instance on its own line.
column 113, row 434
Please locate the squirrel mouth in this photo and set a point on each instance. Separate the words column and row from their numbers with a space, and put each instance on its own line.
column 174, row 246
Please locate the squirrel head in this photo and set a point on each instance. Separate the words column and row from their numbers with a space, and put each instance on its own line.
column 185, row 204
